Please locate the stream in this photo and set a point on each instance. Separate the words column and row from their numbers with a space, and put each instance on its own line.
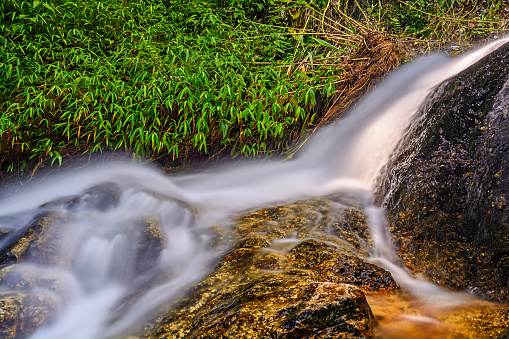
column 97, row 268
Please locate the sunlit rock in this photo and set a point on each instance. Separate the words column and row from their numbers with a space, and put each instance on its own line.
column 293, row 271
column 39, row 242
column 22, row 314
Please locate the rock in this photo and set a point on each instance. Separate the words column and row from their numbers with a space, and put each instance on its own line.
column 22, row 314
column 25, row 277
column 337, row 266
column 12, row 278
column 288, row 276
column 291, row 271
column 39, row 242
column 504, row 334
column 100, row 197
column 38, row 261
column 446, row 188
column 149, row 239
column 277, row 306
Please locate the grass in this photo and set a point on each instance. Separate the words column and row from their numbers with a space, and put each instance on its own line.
column 145, row 77
column 166, row 79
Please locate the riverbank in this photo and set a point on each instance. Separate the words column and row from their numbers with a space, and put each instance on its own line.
column 179, row 83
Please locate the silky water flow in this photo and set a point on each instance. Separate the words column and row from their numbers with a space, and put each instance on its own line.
column 343, row 158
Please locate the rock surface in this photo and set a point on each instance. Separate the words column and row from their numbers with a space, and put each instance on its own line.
column 447, row 186
column 504, row 334
column 33, row 274
column 21, row 314
column 295, row 271
column 40, row 242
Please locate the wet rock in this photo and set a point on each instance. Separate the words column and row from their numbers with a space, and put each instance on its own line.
column 26, row 277
column 322, row 313
column 289, row 275
column 41, row 239
column 12, row 279
column 40, row 242
column 22, row 314
column 39, row 264
column 338, row 266
column 262, row 309
column 446, row 188
column 100, row 197
column 46, row 244
column 150, row 240
column 504, row 334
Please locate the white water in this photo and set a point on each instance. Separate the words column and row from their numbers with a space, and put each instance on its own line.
column 345, row 157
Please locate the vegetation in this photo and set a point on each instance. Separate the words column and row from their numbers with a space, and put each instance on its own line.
column 174, row 79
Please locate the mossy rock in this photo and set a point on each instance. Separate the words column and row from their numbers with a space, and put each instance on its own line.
column 446, row 193
column 149, row 239
column 38, row 243
column 288, row 275
column 21, row 314
column 23, row 308
column 504, row 334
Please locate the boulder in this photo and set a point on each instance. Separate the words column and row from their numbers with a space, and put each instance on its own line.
column 39, row 242
column 294, row 271
column 21, row 314
column 504, row 334
column 446, row 187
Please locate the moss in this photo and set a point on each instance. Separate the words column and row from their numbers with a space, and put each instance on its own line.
column 446, row 195
column 289, row 288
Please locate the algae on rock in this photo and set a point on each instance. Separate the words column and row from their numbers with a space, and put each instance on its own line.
column 446, row 187
column 294, row 271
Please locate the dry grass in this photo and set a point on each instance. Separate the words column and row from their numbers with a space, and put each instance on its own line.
column 375, row 56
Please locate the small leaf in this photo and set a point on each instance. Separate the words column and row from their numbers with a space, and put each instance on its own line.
column 325, row 43
column 224, row 128
column 48, row 6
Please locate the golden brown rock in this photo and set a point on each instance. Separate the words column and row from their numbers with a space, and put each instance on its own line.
column 285, row 277
column 22, row 314
column 40, row 243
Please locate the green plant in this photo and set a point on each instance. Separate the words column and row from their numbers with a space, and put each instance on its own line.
column 168, row 78
column 151, row 77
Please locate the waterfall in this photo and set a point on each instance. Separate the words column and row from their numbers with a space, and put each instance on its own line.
column 98, row 269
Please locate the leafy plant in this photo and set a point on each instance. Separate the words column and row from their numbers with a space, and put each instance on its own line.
column 168, row 78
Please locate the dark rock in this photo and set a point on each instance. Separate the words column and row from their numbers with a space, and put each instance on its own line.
column 150, row 240
column 100, row 197
column 447, row 185
column 504, row 334
column 38, row 239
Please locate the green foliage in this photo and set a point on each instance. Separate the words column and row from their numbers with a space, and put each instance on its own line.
column 183, row 77
column 410, row 20
column 443, row 19
column 151, row 77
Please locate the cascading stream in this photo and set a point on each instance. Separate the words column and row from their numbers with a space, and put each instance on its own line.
column 98, row 268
